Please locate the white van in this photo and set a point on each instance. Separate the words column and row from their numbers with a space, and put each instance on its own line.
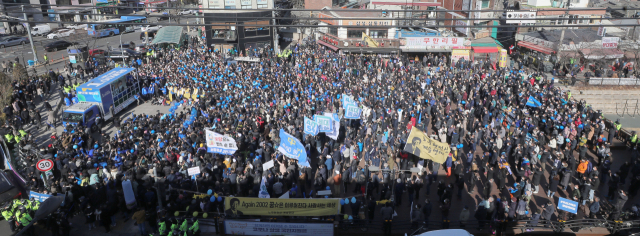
column 40, row 30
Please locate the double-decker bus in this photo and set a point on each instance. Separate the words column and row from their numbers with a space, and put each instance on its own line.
column 114, row 26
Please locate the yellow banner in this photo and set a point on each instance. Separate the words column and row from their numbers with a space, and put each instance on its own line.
column 369, row 41
column 420, row 145
column 503, row 58
column 239, row 206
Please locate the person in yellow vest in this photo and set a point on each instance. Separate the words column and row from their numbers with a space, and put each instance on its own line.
column 184, row 226
column 7, row 214
column 618, row 126
column 8, row 137
column 633, row 140
column 195, row 227
column 24, row 220
column 46, row 58
column 162, row 227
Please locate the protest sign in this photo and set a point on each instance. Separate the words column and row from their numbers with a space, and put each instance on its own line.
column 336, row 130
column 239, row 206
column 218, row 143
column 38, row 196
column 324, row 123
column 426, row 148
column 233, row 227
column 311, row 127
column 352, row 112
column 193, row 171
column 568, row 205
column 267, row 165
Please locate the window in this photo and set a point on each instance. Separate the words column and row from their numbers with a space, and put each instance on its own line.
column 246, row 7
column 376, row 34
column 333, row 31
column 355, row 33
column 63, row 2
column 485, row 4
column 84, row 2
column 88, row 115
column 262, row 6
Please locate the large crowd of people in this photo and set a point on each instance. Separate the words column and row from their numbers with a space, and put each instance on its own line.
column 503, row 150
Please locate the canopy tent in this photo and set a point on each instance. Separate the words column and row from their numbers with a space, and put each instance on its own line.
column 486, row 45
column 169, row 35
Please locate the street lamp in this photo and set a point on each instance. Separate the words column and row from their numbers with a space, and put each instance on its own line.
column 124, row 61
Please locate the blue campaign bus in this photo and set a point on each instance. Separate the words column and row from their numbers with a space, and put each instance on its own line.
column 105, row 96
column 113, row 26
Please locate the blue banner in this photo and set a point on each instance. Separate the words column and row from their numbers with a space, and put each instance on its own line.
column 532, row 102
column 352, row 112
column 38, row 196
column 292, row 148
column 568, row 205
column 324, row 123
column 310, row 127
column 347, row 100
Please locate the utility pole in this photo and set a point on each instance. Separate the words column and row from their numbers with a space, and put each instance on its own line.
column 33, row 48
column 562, row 34
column 275, row 34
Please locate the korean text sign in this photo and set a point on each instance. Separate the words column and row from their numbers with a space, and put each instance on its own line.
column 239, row 206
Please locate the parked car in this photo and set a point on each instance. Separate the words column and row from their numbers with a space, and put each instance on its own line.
column 151, row 34
column 151, row 27
column 94, row 52
column 12, row 41
column 186, row 12
column 57, row 45
column 122, row 54
column 59, row 33
column 77, row 26
column 8, row 190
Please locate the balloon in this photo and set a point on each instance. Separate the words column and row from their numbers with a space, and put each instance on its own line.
column 195, row 214
column 205, row 215
column 212, row 199
column 353, row 200
column 220, row 198
column 346, row 217
column 346, row 201
column 341, row 201
column 209, row 192
column 326, row 196
column 328, row 188
column 177, row 213
column 75, row 146
column 351, row 217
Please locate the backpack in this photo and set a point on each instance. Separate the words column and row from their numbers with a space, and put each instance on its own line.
column 589, row 168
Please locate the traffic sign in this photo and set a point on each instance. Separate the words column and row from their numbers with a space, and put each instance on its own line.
column 44, row 165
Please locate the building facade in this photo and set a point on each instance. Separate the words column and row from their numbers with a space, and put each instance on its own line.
column 233, row 29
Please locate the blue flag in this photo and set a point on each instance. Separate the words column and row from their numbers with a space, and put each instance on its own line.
column 310, row 127
column 532, row 102
column 292, row 148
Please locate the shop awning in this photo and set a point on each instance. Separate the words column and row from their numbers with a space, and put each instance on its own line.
column 535, row 47
column 573, row 54
column 169, row 34
column 485, row 49
column 327, row 44
column 597, row 53
column 631, row 54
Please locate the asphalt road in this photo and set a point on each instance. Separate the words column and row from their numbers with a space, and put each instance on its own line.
column 24, row 52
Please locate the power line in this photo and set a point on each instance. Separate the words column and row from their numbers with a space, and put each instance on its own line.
column 328, row 19
column 325, row 10
column 334, row 26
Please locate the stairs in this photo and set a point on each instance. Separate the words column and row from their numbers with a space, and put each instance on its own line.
column 620, row 102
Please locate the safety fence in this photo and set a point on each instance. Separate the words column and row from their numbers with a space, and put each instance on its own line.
column 214, row 223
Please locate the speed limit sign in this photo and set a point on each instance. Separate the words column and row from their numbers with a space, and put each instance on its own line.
column 44, row 165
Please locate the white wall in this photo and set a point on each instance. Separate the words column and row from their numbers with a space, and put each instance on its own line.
column 342, row 32
column 541, row 3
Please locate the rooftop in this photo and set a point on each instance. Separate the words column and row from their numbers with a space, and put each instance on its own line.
column 575, row 35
